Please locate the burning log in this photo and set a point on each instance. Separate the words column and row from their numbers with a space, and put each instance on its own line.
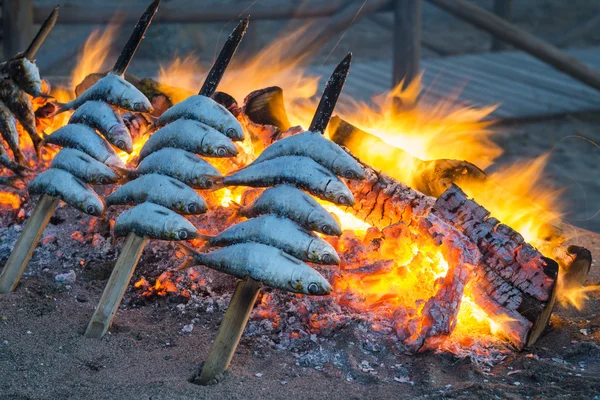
column 433, row 176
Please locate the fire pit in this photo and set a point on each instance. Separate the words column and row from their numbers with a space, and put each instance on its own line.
column 435, row 255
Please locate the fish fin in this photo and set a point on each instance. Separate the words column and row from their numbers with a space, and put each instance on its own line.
column 216, row 182
column 189, row 263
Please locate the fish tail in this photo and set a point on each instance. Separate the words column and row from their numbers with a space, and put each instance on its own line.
column 59, row 108
column 126, row 174
column 44, row 95
column 189, row 253
column 20, row 157
column 238, row 210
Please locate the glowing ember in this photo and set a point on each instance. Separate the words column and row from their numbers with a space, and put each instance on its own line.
column 9, row 200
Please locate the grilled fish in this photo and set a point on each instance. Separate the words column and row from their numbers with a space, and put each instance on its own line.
column 72, row 190
column 115, row 91
column 205, row 110
column 102, row 117
column 291, row 202
column 84, row 167
column 162, row 190
column 181, row 165
column 155, row 222
column 303, row 172
column 26, row 75
column 194, row 136
column 84, row 138
column 266, row 264
column 19, row 103
column 10, row 134
column 277, row 232
column 316, row 146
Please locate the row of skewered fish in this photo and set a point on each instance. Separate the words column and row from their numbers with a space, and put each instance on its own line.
column 87, row 155
column 169, row 169
column 20, row 82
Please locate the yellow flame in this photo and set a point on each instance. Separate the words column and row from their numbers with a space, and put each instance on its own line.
column 94, row 54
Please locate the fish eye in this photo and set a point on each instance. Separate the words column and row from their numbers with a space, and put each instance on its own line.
column 313, row 288
column 341, row 199
column 232, row 133
column 221, row 151
column 90, row 209
column 326, row 229
column 350, row 174
column 192, row 208
column 327, row 258
column 103, row 180
column 182, row 234
column 120, row 144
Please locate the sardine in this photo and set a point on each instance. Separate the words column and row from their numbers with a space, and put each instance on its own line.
column 10, row 133
column 19, row 103
column 7, row 162
column 194, row 136
column 102, row 117
column 162, row 190
column 266, row 264
column 205, row 110
column 115, row 91
column 302, row 172
column 84, row 167
column 154, row 221
column 26, row 75
column 84, row 138
column 181, row 165
column 291, row 202
column 316, row 146
column 278, row 232
column 71, row 190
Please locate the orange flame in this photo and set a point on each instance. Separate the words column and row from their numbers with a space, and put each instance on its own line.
column 10, row 200
column 94, row 54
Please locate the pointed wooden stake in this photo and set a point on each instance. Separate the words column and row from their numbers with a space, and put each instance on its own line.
column 21, row 254
column 218, row 69
column 135, row 39
column 42, row 34
column 116, row 286
column 230, row 331
column 330, row 96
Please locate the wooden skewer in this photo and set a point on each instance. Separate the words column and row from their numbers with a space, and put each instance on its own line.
column 116, row 286
column 21, row 254
column 230, row 331
column 42, row 34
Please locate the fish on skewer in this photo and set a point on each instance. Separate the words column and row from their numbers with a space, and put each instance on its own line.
column 84, row 167
column 206, row 110
column 70, row 189
column 84, row 138
column 290, row 202
column 302, row 172
column 20, row 105
column 114, row 90
column 162, row 190
column 277, row 232
column 179, row 164
column 263, row 263
column 189, row 135
column 154, row 221
column 316, row 146
column 10, row 133
column 26, row 76
column 102, row 117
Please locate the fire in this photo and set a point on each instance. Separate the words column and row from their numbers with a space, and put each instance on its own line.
column 94, row 54
column 10, row 200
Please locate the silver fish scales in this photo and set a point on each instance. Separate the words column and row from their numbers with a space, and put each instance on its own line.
column 20, row 105
column 72, row 190
column 84, row 167
column 302, row 172
column 181, row 165
column 162, row 190
column 26, row 75
column 263, row 263
column 316, row 146
column 154, row 221
column 102, row 117
column 10, row 133
column 192, row 136
column 281, row 233
column 291, row 202
column 84, row 138
column 205, row 110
